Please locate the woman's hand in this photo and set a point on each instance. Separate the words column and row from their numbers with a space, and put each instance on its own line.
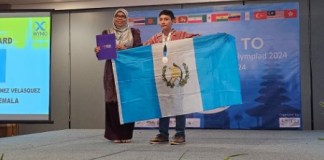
column 97, row 49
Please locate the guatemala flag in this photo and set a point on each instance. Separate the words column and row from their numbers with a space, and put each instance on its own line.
column 201, row 74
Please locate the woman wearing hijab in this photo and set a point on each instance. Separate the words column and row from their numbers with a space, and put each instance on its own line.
column 125, row 38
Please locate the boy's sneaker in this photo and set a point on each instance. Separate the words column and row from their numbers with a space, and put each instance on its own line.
column 159, row 138
column 178, row 139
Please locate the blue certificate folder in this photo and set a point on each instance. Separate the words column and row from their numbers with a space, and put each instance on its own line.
column 107, row 44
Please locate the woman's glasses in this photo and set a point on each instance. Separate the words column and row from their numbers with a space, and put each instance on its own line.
column 120, row 16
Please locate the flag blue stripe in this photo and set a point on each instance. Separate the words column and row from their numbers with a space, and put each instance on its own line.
column 139, row 94
column 2, row 65
column 216, row 55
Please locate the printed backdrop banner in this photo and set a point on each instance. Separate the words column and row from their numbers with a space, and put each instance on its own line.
column 201, row 74
column 267, row 41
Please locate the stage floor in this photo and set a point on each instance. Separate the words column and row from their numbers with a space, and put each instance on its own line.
column 81, row 144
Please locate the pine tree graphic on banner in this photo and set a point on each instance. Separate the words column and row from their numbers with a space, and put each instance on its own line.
column 272, row 97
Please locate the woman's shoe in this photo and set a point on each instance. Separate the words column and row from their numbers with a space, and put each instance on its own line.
column 117, row 141
column 125, row 141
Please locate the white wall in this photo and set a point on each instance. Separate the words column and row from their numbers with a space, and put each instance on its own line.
column 110, row 4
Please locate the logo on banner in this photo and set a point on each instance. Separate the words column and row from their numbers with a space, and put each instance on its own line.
column 39, row 29
column 40, row 26
column 40, row 33
column 178, row 76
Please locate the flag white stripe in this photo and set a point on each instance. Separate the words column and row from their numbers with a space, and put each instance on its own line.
column 186, row 99
column 120, row 109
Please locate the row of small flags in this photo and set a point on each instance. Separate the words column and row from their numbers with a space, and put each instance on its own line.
column 260, row 15
column 219, row 17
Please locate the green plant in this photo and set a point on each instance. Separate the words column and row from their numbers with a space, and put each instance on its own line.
column 322, row 139
column 2, row 155
column 322, row 104
column 234, row 155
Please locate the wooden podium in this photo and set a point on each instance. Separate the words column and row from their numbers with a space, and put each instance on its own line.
column 7, row 130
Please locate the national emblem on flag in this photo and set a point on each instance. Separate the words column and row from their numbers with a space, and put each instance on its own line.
column 179, row 76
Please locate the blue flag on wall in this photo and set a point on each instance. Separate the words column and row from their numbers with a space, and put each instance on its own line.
column 201, row 74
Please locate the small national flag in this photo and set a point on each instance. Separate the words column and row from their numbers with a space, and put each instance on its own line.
column 2, row 65
column 222, row 17
column 181, row 19
column 216, row 17
column 209, row 18
column 247, row 16
column 196, row 18
column 234, row 17
column 259, row 15
column 291, row 13
column 136, row 21
column 275, row 14
column 150, row 21
column 201, row 74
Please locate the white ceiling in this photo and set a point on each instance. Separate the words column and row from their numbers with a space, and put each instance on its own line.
column 22, row 2
column 87, row 4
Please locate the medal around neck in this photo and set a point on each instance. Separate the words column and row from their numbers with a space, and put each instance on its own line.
column 165, row 59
